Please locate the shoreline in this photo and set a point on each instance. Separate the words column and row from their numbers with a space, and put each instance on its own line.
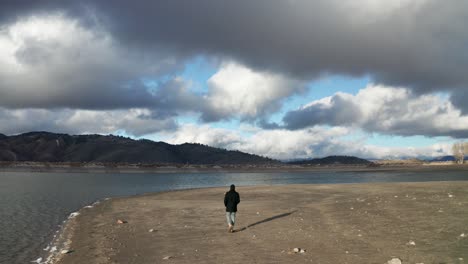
column 60, row 168
column 94, row 232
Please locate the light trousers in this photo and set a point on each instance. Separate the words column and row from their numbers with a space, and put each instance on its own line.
column 231, row 218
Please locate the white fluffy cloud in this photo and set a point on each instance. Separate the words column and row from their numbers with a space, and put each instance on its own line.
column 386, row 110
column 236, row 90
column 281, row 144
column 304, row 143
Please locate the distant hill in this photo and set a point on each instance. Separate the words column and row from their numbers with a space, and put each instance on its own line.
column 332, row 160
column 399, row 162
column 51, row 147
column 443, row 158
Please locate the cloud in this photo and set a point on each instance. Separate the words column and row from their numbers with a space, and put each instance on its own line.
column 405, row 42
column 385, row 110
column 238, row 91
column 279, row 144
column 136, row 122
column 418, row 44
column 53, row 61
column 304, row 143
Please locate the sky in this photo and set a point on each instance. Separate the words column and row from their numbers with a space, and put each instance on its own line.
column 287, row 79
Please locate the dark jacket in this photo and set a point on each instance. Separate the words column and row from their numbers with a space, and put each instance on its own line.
column 231, row 199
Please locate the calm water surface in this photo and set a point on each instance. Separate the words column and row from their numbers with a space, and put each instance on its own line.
column 33, row 205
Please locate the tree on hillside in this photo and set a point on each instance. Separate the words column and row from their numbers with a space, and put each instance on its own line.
column 458, row 150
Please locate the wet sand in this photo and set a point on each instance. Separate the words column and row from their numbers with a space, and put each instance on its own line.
column 334, row 223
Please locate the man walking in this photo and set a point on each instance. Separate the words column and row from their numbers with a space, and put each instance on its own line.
column 231, row 199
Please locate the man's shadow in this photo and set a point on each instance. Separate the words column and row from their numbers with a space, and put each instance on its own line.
column 266, row 220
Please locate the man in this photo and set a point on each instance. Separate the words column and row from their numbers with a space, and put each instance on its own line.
column 231, row 199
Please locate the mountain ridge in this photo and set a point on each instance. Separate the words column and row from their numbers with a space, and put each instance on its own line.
column 332, row 160
column 45, row 146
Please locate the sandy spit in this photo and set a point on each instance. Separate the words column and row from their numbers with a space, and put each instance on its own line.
column 333, row 223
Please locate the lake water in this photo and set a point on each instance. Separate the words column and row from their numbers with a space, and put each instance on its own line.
column 33, row 205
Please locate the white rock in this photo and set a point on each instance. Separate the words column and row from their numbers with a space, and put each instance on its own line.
column 167, row 257
column 65, row 251
column 394, row 261
column 151, row 230
column 450, row 195
column 411, row 243
column 53, row 249
column 296, row 250
column 120, row 221
column 72, row 215
column 39, row 260
column 302, row 251
column 463, row 235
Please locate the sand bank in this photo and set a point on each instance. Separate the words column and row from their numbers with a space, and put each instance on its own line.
column 341, row 223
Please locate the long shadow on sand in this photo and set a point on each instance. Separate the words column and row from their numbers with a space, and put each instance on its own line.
column 266, row 220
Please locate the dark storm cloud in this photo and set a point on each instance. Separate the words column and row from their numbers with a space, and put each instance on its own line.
column 411, row 42
column 340, row 112
column 418, row 44
column 53, row 61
